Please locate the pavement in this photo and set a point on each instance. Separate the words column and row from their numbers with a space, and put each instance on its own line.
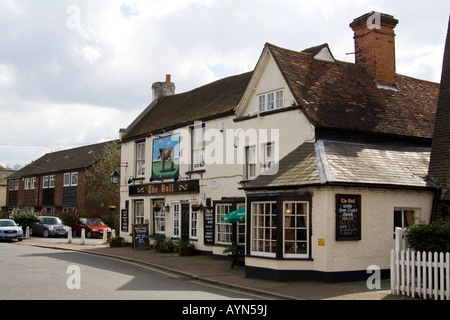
column 218, row 271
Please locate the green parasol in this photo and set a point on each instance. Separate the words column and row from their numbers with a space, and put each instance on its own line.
column 235, row 216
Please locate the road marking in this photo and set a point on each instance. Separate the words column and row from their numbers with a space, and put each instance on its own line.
column 231, row 290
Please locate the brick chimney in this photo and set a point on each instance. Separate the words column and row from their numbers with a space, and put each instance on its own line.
column 375, row 45
column 162, row 89
column 439, row 167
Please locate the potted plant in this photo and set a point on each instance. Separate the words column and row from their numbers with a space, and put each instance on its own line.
column 115, row 241
column 158, row 241
column 195, row 207
column 235, row 251
column 156, row 207
column 185, row 248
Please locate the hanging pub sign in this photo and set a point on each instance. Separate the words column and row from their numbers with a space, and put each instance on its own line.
column 188, row 186
column 166, row 157
column 348, row 217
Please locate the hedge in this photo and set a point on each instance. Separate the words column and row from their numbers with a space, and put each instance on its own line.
column 434, row 237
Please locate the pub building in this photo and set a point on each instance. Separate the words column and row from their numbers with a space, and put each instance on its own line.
column 327, row 158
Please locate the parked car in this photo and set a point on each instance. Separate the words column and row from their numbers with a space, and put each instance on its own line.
column 47, row 226
column 94, row 227
column 9, row 230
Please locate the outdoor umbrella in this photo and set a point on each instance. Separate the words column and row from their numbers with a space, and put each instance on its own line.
column 235, row 216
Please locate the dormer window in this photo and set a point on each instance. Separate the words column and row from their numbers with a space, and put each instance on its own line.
column 270, row 100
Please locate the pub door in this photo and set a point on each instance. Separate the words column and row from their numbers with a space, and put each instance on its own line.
column 185, row 221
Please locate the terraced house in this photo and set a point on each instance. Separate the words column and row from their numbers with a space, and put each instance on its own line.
column 55, row 183
column 326, row 157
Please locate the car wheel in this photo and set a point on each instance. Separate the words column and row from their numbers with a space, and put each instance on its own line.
column 88, row 234
column 45, row 233
column 74, row 232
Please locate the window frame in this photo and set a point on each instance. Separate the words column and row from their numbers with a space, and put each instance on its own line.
column 295, row 228
column 176, row 218
column 269, row 160
column 159, row 217
column 138, row 218
column 70, row 179
column 140, row 159
column 198, row 147
column 270, row 100
column 256, row 236
column 223, row 230
column 250, row 166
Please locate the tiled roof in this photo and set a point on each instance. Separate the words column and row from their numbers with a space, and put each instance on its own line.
column 214, row 99
column 343, row 162
column 71, row 159
column 342, row 95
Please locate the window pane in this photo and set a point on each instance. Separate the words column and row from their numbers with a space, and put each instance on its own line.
column 74, row 181
column 270, row 101
column 262, row 103
column 263, row 226
column 296, row 229
column 279, row 99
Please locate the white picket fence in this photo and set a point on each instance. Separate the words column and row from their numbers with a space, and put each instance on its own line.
column 419, row 274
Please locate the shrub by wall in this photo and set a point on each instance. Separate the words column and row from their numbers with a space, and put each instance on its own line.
column 434, row 237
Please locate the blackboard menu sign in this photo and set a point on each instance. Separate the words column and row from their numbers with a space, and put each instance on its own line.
column 124, row 220
column 141, row 238
column 208, row 226
column 348, row 217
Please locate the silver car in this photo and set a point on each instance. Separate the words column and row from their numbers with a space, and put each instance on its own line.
column 49, row 226
column 9, row 230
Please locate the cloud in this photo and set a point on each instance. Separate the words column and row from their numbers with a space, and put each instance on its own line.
column 75, row 72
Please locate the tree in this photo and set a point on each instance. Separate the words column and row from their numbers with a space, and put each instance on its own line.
column 98, row 184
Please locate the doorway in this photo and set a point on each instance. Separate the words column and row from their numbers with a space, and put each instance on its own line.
column 185, row 213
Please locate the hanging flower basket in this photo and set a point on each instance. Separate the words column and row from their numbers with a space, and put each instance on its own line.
column 156, row 208
column 195, row 207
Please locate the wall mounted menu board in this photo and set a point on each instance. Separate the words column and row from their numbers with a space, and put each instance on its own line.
column 208, row 226
column 141, row 238
column 348, row 217
column 124, row 220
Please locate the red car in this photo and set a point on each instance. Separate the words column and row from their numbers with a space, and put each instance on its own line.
column 94, row 227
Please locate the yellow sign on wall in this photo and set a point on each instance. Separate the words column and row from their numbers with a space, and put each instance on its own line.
column 321, row 242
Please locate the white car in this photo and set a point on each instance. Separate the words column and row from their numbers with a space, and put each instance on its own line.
column 9, row 230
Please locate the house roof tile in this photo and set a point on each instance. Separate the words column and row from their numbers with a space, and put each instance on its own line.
column 214, row 99
column 342, row 95
column 70, row 159
column 343, row 162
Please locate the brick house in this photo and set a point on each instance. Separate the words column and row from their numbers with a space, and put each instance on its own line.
column 55, row 183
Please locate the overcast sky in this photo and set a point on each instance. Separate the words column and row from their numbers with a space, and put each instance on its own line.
column 73, row 73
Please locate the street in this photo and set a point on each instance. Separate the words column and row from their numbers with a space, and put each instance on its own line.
column 36, row 273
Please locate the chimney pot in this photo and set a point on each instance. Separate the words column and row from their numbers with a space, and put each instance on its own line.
column 167, row 77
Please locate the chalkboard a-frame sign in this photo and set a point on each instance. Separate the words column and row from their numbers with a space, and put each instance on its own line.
column 348, row 217
column 141, row 238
